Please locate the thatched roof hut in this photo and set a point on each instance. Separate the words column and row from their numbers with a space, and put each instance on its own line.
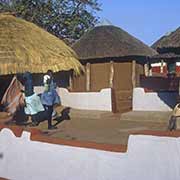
column 26, row 47
column 113, row 59
column 110, row 41
column 168, row 43
column 168, row 47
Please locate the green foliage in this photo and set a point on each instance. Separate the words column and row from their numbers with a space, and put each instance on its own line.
column 67, row 19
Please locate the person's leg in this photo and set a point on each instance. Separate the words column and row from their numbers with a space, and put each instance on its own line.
column 49, row 117
column 34, row 119
column 50, row 110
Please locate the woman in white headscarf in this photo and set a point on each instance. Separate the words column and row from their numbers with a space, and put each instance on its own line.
column 49, row 97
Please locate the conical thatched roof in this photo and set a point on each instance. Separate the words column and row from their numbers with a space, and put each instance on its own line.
column 26, row 47
column 171, row 40
column 110, row 41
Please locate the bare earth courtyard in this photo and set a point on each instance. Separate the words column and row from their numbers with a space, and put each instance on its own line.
column 109, row 128
column 103, row 127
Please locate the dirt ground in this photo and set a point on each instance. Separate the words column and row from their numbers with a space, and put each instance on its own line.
column 102, row 127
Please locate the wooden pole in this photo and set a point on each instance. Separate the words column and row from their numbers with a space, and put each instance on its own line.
column 161, row 68
column 70, row 83
column 133, row 73
column 146, row 71
column 111, row 76
column 88, row 77
column 149, row 69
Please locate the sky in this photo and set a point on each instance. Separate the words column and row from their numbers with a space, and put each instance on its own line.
column 147, row 20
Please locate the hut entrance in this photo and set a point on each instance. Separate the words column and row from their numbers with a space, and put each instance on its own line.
column 122, row 87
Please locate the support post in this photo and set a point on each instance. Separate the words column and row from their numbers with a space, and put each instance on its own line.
column 161, row 68
column 111, row 76
column 150, row 69
column 150, row 72
column 70, row 83
column 88, row 77
column 133, row 73
column 146, row 69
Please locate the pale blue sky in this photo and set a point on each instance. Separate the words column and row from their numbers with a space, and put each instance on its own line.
column 147, row 20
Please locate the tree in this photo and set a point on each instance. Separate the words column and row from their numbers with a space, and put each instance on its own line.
column 67, row 19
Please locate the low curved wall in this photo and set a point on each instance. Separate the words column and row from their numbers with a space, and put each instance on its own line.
column 87, row 100
column 153, row 101
column 84, row 100
column 148, row 157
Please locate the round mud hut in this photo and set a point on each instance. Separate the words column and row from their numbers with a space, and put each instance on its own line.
column 26, row 47
column 168, row 48
column 112, row 59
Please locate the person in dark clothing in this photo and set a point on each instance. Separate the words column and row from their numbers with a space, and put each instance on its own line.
column 28, row 84
column 49, row 111
column 33, row 104
column 48, row 101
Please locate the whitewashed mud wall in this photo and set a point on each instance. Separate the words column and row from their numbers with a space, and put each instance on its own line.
column 85, row 100
column 153, row 101
column 147, row 158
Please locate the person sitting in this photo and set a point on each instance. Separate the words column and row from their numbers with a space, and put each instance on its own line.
column 33, row 104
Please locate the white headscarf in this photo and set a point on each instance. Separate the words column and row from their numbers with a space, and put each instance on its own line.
column 45, row 78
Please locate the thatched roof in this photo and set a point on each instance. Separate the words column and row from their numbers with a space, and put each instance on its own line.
column 171, row 40
column 166, row 56
column 110, row 41
column 26, row 47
